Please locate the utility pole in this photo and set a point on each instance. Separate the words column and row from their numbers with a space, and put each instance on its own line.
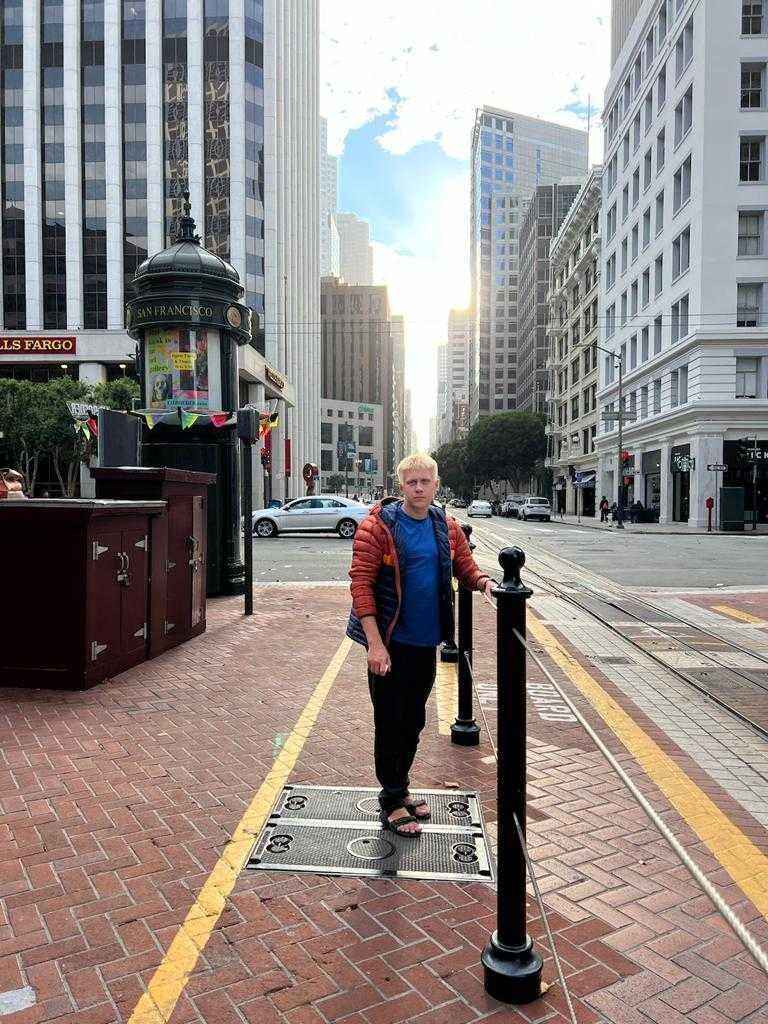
column 285, row 349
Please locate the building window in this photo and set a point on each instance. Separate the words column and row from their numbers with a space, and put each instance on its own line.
column 659, row 213
column 661, row 89
column 674, row 389
column 679, row 319
column 633, row 352
column 684, row 116
column 648, row 111
column 684, row 49
column 751, row 233
column 625, row 151
column 682, row 185
column 647, row 169
column 647, row 227
column 752, row 18
column 752, row 86
column 326, row 459
column 216, row 126
column 657, row 327
column 636, row 187
column 623, row 308
column 624, row 254
column 610, row 320
column 749, row 304
column 660, row 150
column 644, row 345
column 574, row 408
column 751, row 158
column 643, row 401
column 635, row 242
column 12, row 244
column 625, row 203
column 326, row 433
column 746, row 377
column 683, row 384
column 634, row 293
column 657, row 396
column 134, row 141
column 646, row 296
column 610, row 271
column 681, row 253
column 661, row 24
column 610, row 225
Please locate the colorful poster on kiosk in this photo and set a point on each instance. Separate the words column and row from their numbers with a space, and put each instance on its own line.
column 182, row 368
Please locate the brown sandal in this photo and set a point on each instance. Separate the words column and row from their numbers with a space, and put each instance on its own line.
column 396, row 825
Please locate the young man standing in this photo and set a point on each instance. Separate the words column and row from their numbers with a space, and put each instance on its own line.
column 404, row 557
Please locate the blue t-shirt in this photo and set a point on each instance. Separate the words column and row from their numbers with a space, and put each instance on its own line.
column 419, row 621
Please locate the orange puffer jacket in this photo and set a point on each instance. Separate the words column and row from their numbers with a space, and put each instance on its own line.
column 375, row 571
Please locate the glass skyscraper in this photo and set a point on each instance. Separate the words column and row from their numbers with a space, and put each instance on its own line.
column 511, row 155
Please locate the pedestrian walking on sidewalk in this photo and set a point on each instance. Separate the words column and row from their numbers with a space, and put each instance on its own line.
column 604, row 506
column 404, row 557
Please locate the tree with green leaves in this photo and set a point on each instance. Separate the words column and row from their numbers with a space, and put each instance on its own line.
column 336, row 482
column 506, row 446
column 453, row 467
column 35, row 422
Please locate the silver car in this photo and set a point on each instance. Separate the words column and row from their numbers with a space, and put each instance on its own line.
column 322, row 514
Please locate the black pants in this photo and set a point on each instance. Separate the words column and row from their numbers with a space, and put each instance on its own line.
column 399, row 713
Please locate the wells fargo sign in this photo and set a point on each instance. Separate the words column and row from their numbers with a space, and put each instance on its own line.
column 40, row 346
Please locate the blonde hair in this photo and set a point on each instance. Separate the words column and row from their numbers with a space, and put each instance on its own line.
column 419, row 460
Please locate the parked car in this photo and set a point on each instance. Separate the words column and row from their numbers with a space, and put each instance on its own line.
column 480, row 508
column 535, row 508
column 325, row 514
column 511, row 506
column 458, row 503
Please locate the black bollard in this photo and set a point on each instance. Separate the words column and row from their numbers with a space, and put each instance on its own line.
column 465, row 731
column 449, row 651
column 512, row 966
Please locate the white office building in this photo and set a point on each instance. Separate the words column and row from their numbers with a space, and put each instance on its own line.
column 460, row 334
column 112, row 111
column 684, row 289
column 355, row 252
column 329, row 200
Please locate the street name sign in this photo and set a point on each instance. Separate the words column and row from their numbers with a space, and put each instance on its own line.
column 716, row 467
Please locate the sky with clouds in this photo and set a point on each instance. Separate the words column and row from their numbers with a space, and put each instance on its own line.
column 400, row 82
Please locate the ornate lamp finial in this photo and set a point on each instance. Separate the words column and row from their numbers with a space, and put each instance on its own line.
column 187, row 224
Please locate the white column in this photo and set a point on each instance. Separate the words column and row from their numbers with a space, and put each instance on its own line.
column 195, row 117
column 706, row 450
column 272, row 272
column 258, row 472
column 237, row 136
column 154, row 103
column 665, row 500
column 92, row 373
column 113, row 149
column 73, row 185
column 33, row 242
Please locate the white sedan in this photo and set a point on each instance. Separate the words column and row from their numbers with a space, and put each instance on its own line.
column 480, row 508
column 323, row 514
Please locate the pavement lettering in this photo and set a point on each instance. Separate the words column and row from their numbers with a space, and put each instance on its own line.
column 548, row 703
column 743, row 861
column 166, row 985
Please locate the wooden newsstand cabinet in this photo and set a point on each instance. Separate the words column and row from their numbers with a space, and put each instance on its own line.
column 76, row 590
column 179, row 547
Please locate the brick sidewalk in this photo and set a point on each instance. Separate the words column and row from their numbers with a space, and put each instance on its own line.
column 117, row 803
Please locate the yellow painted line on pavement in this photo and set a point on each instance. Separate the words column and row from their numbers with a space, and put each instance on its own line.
column 737, row 613
column 743, row 861
column 158, row 1002
column 447, row 695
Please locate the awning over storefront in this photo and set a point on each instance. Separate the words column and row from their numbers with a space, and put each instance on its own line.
column 584, row 479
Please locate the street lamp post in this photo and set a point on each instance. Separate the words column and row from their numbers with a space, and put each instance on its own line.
column 620, row 420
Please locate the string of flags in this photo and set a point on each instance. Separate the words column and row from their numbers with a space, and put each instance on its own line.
column 184, row 419
column 89, row 428
column 268, row 422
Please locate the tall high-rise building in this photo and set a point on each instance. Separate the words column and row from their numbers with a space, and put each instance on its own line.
column 684, row 287
column 511, row 155
column 355, row 252
column 545, row 213
column 358, row 359
column 398, row 392
column 111, row 112
column 329, row 199
column 442, row 405
column 460, row 330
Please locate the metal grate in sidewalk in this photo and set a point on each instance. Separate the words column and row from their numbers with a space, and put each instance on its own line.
column 337, row 831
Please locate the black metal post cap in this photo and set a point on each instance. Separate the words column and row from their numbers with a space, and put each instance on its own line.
column 512, row 975
column 512, row 560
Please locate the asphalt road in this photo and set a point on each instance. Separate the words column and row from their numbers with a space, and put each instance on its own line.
column 643, row 560
column 637, row 560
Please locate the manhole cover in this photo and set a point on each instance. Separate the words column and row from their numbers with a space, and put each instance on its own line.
column 371, row 848
column 333, row 831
